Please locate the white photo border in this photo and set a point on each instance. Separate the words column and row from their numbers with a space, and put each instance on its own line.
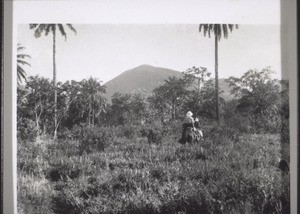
column 257, row 12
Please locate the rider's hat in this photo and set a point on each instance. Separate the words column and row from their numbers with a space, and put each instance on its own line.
column 189, row 114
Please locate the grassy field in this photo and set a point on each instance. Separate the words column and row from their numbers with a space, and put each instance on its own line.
column 223, row 174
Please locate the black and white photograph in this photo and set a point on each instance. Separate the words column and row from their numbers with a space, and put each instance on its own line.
column 151, row 118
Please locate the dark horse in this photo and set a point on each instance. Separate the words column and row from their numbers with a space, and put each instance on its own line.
column 190, row 136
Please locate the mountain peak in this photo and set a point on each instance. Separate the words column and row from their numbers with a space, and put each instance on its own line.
column 142, row 79
column 145, row 66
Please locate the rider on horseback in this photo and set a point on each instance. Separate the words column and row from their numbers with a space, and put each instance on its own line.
column 187, row 127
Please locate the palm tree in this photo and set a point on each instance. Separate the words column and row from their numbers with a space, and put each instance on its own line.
column 47, row 28
column 92, row 92
column 219, row 30
column 21, row 61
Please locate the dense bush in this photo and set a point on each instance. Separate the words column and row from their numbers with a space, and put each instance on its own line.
column 129, row 132
column 154, row 136
column 92, row 137
column 265, row 124
column 240, row 123
column 249, row 123
column 26, row 130
column 62, row 172
column 221, row 133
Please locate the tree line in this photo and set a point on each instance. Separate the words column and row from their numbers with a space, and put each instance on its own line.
column 257, row 97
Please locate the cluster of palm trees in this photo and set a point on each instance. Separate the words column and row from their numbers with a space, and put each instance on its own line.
column 218, row 30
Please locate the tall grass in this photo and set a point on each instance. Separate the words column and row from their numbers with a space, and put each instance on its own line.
column 224, row 174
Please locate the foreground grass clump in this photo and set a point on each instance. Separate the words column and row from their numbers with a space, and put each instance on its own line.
column 235, row 174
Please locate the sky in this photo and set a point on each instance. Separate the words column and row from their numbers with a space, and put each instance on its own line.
column 104, row 51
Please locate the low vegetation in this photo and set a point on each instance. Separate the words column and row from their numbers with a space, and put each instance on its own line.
column 135, row 175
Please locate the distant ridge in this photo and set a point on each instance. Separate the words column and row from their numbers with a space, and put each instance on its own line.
column 144, row 78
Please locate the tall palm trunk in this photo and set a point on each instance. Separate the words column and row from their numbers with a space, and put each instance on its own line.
column 89, row 114
column 93, row 111
column 54, row 85
column 217, row 78
column 173, row 109
column 198, row 94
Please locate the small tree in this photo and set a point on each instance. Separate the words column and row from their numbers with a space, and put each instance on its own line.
column 91, row 93
column 256, row 91
column 39, row 101
column 258, row 99
column 120, row 110
column 138, row 106
column 196, row 78
column 204, row 103
column 175, row 91
column 67, row 94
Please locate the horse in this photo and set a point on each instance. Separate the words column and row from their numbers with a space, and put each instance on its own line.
column 191, row 136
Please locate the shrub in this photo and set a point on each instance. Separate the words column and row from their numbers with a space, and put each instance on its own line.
column 29, row 156
column 264, row 123
column 61, row 204
column 130, row 131
column 174, row 127
column 66, row 134
column 61, row 148
column 154, row 132
column 93, row 137
column 62, row 172
column 157, row 173
column 240, row 123
column 154, row 136
column 222, row 133
column 76, row 131
column 26, row 130
column 33, row 194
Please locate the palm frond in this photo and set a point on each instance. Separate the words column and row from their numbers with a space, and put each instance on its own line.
column 49, row 28
column 19, row 48
column 230, row 26
column 215, row 29
column 62, row 30
column 38, row 31
column 72, row 28
column 32, row 26
column 21, row 74
column 219, row 31
column 23, row 62
column 205, row 29
column 23, row 56
column 210, row 29
column 200, row 27
column 225, row 30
